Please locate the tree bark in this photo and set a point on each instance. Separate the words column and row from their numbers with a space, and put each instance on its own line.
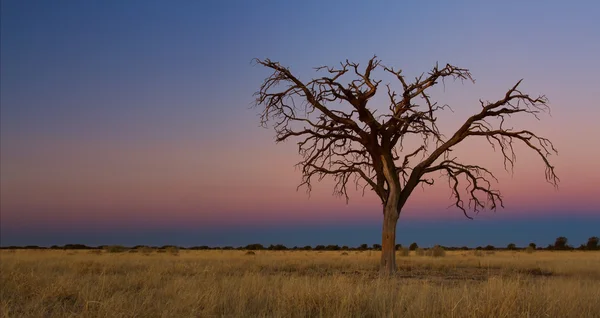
column 388, row 240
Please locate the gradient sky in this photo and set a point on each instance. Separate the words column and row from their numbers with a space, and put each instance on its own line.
column 129, row 122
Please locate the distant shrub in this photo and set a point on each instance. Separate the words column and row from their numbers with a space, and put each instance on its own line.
column 532, row 245
column 332, row 247
column 489, row 248
column 403, row 251
column 436, row 251
column 115, row 249
column 529, row 249
column 344, row 253
column 377, row 247
column 254, row 247
column 561, row 243
column 277, row 247
column 363, row 247
column 146, row 250
column 345, row 248
column 173, row 250
column 320, row 248
column 511, row 246
column 76, row 247
column 592, row 243
column 419, row 251
column 478, row 253
column 250, row 253
column 413, row 246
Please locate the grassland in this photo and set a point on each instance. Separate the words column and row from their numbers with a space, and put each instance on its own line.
column 55, row 283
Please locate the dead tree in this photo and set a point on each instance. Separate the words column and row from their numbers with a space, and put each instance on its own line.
column 340, row 136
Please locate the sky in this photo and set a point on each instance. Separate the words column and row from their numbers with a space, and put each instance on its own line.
column 130, row 122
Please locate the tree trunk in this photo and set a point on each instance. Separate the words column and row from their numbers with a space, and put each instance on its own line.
column 388, row 241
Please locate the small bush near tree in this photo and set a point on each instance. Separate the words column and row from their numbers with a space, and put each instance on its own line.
column 413, row 246
column 403, row 251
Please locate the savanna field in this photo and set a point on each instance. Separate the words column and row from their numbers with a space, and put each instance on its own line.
column 215, row 283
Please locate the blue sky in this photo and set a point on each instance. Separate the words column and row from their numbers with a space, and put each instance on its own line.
column 122, row 117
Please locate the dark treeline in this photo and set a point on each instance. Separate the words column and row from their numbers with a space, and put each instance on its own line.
column 561, row 243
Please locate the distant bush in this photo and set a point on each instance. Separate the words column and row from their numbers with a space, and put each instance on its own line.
column 363, row 247
column 489, row 248
column 592, row 243
column 278, row 247
column 478, row 253
column 532, row 245
column 320, row 248
column 413, row 246
column 115, row 249
column 436, row 251
column 332, row 247
column 173, row 250
column 203, row 247
column 377, row 247
column 307, row 248
column 250, row 253
column 560, row 243
column 345, row 248
column 511, row 246
column 403, row 251
column 146, row 250
column 76, row 247
column 254, row 247
column 529, row 249
column 419, row 251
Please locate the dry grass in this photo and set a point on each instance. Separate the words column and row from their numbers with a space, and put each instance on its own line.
column 297, row 284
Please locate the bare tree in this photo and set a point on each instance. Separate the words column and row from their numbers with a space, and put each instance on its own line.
column 340, row 136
